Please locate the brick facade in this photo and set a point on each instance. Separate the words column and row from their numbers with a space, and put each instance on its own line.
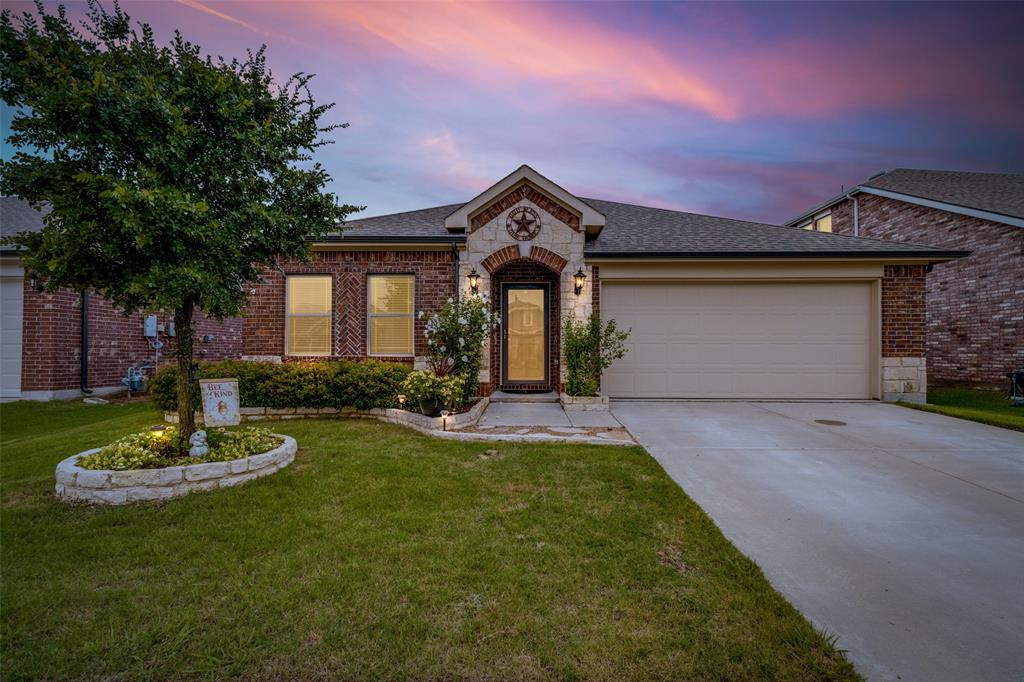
column 264, row 322
column 975, row 305
column 525, row 192
column 903, row 311
column 51, row 341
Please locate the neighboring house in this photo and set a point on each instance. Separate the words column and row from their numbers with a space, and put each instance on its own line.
column 718, row 308
column 976, row 304
column 42, row 334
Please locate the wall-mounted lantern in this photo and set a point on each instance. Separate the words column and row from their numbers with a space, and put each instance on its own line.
column 474, row 281
column 580, row 277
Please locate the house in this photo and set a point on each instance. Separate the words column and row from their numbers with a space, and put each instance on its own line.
column 975, row 305
column 42, row 335
column 718, row 308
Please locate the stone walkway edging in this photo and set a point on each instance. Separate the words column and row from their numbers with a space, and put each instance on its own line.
column 104, row 486
column 528, row 438
column 413, row 420
column 583, row 402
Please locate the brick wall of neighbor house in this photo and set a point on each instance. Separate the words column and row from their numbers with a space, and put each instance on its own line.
column 904, row 325
column 51, row 341
column 264, row 322
column 975, row 304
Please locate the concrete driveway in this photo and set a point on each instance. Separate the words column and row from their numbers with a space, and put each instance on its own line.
column 900, row 531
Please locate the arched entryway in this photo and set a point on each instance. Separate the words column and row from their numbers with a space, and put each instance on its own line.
column 525, row 348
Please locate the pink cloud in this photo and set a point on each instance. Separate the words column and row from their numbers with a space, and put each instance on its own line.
column 492, row 43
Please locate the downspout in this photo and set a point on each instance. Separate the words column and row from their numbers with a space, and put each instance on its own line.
column 856, row 217
column 455, row 259
column 852, row 196
column 84, row 344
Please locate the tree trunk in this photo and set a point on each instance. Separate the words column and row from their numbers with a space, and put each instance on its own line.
column 185, row 341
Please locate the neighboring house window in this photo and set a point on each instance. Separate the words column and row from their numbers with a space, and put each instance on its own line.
column 390, row 323
column 820, row 223
column 308, row 322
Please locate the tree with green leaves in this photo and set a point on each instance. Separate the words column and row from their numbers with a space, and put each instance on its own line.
column 173, row 178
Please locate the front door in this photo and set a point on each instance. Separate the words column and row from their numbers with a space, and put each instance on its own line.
column 525, row 334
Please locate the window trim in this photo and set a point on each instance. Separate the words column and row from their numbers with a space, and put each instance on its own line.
column 811, row 224
column 370, row 315
column 289, row 315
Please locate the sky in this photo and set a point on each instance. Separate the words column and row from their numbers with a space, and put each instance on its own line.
column 753, row 111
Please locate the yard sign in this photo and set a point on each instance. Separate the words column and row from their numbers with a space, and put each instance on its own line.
column 220, row 402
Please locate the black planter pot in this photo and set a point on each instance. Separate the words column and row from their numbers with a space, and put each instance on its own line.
column 430, row 408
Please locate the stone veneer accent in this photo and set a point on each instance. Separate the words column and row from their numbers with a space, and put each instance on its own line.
column 103, row 486
column 553, row 256
column 904, row 379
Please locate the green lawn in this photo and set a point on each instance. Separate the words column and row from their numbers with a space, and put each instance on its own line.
column 979, row 405
column 382, row 553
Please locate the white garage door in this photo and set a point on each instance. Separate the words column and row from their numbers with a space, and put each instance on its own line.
column 10, row 337
column 750, row 340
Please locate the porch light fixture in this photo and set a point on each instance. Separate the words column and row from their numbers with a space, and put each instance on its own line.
column 580, row 277
column 474, row 281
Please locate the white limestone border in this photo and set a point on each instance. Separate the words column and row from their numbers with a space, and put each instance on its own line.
column 413, row 420
column 103, row 486
column 583, row 402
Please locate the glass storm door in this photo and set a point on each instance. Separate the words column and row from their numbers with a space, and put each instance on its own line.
column 525, row 333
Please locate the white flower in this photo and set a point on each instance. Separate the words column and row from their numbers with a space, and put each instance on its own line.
column 420, row 315
column 462, row 341
column 462, row 320
column 443, row 349
column 450, row 300
column 465, row 359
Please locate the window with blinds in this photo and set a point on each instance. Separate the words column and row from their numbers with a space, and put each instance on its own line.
column 390, row 314
column 308, row 322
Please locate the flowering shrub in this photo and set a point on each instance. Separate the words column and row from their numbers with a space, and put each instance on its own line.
column 457, row 332
column 157, row 449
column 424, row 388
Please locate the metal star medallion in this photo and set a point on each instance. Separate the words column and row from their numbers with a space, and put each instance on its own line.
column 523, row 223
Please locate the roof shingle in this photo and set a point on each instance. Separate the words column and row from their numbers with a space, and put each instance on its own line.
column 641, row 231
column 1001, row 193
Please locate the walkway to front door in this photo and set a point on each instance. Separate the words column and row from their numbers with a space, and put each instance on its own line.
column 541, row 416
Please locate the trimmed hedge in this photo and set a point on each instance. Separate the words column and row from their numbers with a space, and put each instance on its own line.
column 330, row 383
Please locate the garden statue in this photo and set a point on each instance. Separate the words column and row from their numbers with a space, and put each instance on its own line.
column 198, row 442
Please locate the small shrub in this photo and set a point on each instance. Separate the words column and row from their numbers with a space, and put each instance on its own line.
column 422, row 388
column 157, row 449
column 590, row 348
column 330, row 383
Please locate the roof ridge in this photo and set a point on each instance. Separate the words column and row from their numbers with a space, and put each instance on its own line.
column 940, row 170
column 415, row 210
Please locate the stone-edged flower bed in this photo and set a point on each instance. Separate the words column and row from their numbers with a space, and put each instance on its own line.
column 106, row 486
column 584, row 402
column 413, row 420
